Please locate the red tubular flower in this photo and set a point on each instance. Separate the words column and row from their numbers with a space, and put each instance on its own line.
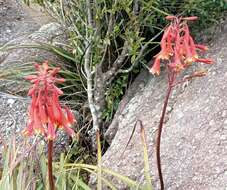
column 201, row 47
column 193, row 48
column 191, row 54
column 176, row 65
column 69, row 115
column 207, row 61
column 156, row 67
column 166, row 44
column 51, row 135
column 170, row 17
column 45, row 112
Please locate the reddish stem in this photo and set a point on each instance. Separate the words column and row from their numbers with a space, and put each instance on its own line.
column 171, row 78
column 50, row 170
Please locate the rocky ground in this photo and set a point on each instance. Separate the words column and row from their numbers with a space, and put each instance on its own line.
column 18, row 20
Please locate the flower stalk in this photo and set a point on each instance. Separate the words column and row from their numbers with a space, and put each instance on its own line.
column 50, row 167
column 171, row 80
column 179, row 52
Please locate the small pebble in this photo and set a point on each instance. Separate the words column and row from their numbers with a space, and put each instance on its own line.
column 10, row 102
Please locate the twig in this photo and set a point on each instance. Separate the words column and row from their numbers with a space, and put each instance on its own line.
column 117, row 63
column 141, row 54
column 130, row 138
column 87, row 68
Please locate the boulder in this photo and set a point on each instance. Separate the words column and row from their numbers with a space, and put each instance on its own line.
column 24, row 29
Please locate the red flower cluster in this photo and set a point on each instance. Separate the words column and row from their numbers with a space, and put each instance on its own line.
column 178, row 47
column 45, row 112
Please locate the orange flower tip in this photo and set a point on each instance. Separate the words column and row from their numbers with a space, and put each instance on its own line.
column 37, row 131
column 25, row 132
column 179, row 67
column 191, row 18
column 152, row 71
column 171, row 54
column 60, row 126
column 51, row 137
column 170, row 17
column 60, row 80
column 190, row 60
column 69, row 124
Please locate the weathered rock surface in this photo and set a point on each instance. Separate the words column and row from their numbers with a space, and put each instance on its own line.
column 15, row 21
column 18, row 58
column 26, row 27
column 194, row 140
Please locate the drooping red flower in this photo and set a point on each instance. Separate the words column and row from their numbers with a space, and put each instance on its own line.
column 178, row 48
column 156, row 67
column 45, row 113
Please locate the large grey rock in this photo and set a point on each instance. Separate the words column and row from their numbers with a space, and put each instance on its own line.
column 27, row 27
column 14, row 58
column 14, row 21
column 19, row 20
column 194, row 140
